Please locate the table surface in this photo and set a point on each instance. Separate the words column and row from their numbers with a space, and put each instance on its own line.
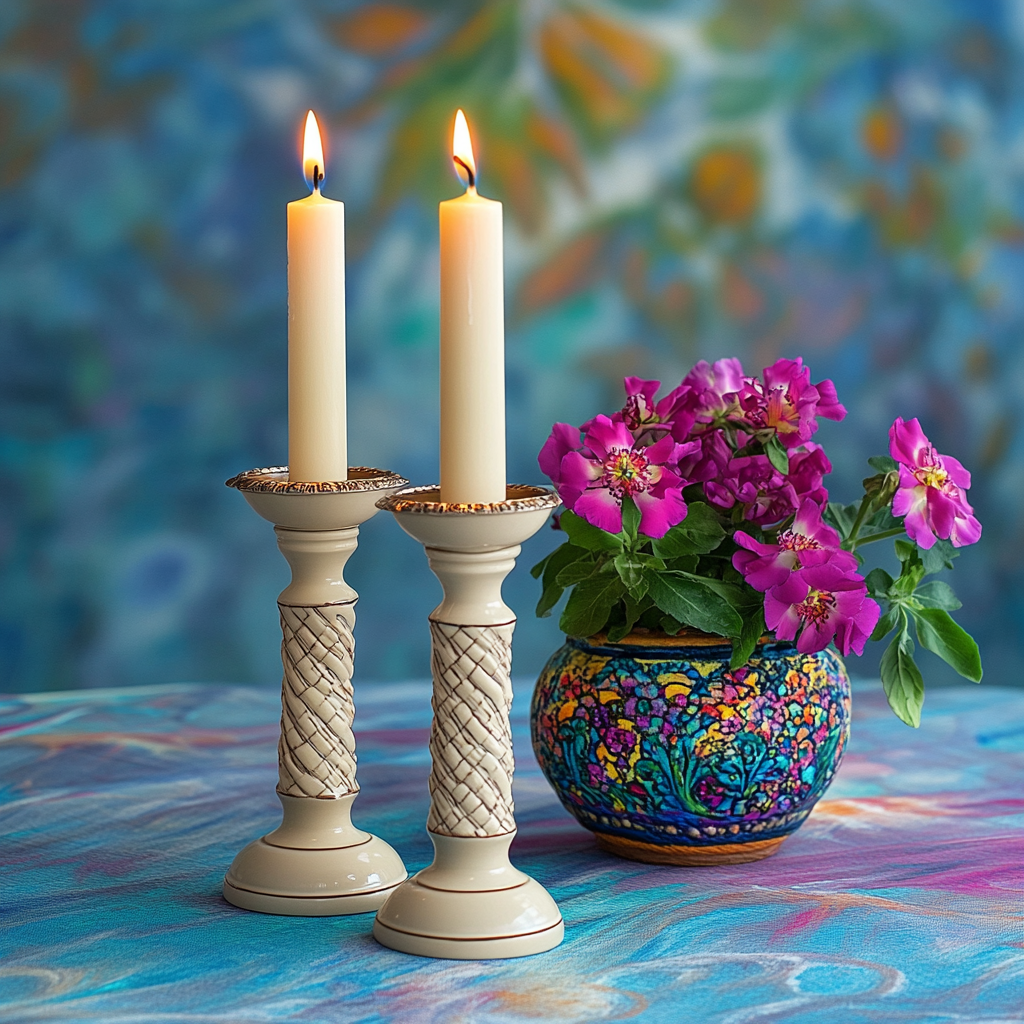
column 899, row 900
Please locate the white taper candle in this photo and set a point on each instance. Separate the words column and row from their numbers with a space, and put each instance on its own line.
column 317, row 430
column 472, row 340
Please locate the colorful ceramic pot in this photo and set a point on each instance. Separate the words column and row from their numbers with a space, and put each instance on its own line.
column 669, row 757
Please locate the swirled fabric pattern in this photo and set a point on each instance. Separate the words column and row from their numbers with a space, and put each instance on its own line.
column 898, row 900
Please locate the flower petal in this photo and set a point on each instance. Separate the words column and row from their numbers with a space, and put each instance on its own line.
column 600, row 509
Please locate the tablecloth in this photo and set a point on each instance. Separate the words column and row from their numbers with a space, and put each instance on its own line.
column 899, row 900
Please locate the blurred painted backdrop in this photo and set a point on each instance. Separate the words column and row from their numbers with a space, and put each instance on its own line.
column 840, row 179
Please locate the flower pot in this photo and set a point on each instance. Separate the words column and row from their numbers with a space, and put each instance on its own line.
column 670, row 757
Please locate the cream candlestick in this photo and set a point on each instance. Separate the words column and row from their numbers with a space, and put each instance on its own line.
column 472, row 339
column 317, row 431
column 316, row 863
column 471, row 903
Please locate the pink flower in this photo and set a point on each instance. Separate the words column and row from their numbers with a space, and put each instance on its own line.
column 712, row 388
column 931, row 490
column 564, row 438
column 807, row 469
column 809, row 541
column 823, row 603
column 643, row 415
column 788, row 403
column 649, row 418
column 753, row 482
column 708, row 461
column 593, row 481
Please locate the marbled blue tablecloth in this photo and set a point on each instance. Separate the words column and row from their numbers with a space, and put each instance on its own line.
column 900, row 900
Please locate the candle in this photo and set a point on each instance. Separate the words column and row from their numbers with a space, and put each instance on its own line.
column 317, row 437
column 472, row 339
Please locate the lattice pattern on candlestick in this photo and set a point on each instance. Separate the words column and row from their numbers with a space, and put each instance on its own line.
column 471, row 740
column 317, row 751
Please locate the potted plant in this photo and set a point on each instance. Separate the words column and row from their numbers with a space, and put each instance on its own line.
column 700, row 705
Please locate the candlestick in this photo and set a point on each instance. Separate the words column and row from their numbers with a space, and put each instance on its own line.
column 472, row 339
column 316, row 863
column 471, row 903
column 317, row 437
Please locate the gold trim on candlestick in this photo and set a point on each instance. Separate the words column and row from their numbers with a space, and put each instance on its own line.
column 274, row 480
column 426, row 501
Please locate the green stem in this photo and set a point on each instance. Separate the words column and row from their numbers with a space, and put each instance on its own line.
column 851, row 542
column 884, row 535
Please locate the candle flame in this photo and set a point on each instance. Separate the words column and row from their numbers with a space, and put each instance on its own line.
column 462, row 151
column 312, row 153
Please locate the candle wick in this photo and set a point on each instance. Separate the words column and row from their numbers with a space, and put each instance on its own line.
column 469, row 170
column 317, row 177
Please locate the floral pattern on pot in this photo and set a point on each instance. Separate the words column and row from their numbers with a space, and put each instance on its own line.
column 659, row 741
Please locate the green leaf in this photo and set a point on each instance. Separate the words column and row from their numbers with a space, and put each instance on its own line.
column 937, row 632
column 630, row 570
column 633, row 610
column 842, row 517
column 906, row 584
column 937, row 595
column 590, row 604
column 753, row 628
column 684, row 563
column 737, row 596
column 539, row 567
column 693, row 603
column 885, row 623
column 618, row 631
column 670, row 625
column 882, row 521
column 777, row 455
column 576, row 572
column 700, row 532
column 583, row 535
column 630, row 519
column 901, row 678
column 883, row 463
column 552, row 566
column 879, row 582
column 905, row 550
column 938, row 557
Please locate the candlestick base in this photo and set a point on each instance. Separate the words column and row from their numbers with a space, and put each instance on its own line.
column 471, row 903
column 316, row 863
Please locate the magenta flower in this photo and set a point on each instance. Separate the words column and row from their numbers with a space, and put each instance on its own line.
column 647, row 417
column 788, row 403
column 712, row 388
column 594, row 480
column 931, row 490
column 753, row 482
column 823, row 603
column 564, row 438
column 809, row 541
column 644, row 415
column 807, row 470
column 708, row 461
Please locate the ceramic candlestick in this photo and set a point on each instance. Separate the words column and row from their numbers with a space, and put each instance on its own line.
column 316, row 863
column 471, row 903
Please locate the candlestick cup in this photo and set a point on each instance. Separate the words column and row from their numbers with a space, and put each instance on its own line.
column 471, row 903
column 316, row 863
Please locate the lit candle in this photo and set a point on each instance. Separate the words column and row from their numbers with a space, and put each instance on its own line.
column 317, row 436
column 472, row 339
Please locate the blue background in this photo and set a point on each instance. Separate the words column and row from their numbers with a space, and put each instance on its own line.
column 839, row 179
